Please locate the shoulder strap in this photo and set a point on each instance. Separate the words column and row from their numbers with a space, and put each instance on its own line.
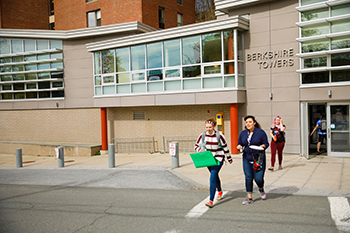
column 218, row 138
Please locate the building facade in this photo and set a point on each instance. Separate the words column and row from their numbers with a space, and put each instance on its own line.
column 264, row 58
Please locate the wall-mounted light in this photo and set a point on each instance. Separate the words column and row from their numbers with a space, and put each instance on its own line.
column 57, row 105
column 271, row 95
column 329, row 93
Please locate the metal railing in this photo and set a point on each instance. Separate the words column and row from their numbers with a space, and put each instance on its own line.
column 186, row 143
column 144, row 144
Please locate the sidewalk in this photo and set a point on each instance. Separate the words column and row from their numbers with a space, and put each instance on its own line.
column 322, row 175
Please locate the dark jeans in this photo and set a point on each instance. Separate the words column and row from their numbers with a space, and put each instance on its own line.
column 251, row 174
column 215, row 182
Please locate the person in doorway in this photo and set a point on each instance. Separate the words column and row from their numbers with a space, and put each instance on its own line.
column 253, row 135
column 277, row 142
column 321, row 125
column 215, row 142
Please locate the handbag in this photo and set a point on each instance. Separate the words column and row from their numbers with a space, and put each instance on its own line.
column 258, row 161
column 204, row 159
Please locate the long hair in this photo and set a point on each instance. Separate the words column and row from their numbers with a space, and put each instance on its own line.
column 253, row 118
column 274, row 122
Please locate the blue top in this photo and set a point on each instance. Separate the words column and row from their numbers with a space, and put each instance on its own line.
column 319, row 128
column 259, row 137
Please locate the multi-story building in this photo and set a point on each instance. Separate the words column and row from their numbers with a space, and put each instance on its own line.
column 75, row 14
column 265, row 58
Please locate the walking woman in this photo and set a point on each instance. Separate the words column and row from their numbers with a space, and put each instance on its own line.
column 277, row 142
column 216, row 143
column 253, row 141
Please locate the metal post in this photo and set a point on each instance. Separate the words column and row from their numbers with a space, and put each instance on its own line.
column 19, row 157
column 111, row 156
column 174, row 152
column 60, row 157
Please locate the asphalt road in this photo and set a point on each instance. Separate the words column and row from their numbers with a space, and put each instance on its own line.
column 79, row 200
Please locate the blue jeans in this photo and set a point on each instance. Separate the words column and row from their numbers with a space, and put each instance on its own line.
column 215, row 182
column 251, row 174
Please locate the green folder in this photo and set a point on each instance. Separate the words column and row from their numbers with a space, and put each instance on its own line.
column 204, row 159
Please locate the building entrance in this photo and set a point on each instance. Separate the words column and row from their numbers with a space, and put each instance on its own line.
column 318, row 140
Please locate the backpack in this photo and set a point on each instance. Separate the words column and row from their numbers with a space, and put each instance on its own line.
column 323, row 125
column 203, row 139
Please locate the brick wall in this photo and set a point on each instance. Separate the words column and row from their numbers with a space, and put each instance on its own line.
column 164, row 121
column 81, row 126
column 28, row 14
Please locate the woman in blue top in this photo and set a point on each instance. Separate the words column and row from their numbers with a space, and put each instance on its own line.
column 253, row 135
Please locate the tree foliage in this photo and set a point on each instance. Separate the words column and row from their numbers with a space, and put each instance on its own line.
column 205, row 10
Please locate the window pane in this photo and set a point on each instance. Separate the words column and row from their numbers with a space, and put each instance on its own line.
column 191, row 71
column 155, row 87
column 179, row 19
column 212, row 82
column 17, row 46
column 43, row 56
column 211, row 45
column 30, row 67
column 98, row 91
column 31, row 95
column 172, row 73
column 43, row 75
column 153, row 75
column 173, row 85
column 123, row 78
column 44, row 85
column 315, row 62
column 5, row 60
column 56, row 56
column 58, row 65
column 98, row 80
column 341, row 59
column 91, row 19
column 5, row 78
column 18, row 77
column 55, row 75
column 314, row 46
column 30, row 76
column 315, row 14
column 30, row 58
column 4, row 69
column 122, row 89
column 192, row 84
column 172, row 52
column 240, row 45
column 44, row 94
column 107, row 61
column 215, row 69
column 230, row 81
column 55, row 44
column 341, row 76
column 97, row 62
column 340, row 10
column 314, row 30
column 307, row 2
column 18, row 86
column 320, row 77
column 6, row 87
column 138, row 57
column 341, row 26
column 57, row 84
column 138, row 77
column 138, row 88
column 7, row 96
column 18, row 59
column 29, row 45
column 230, row 68
column 190, row 50
column 154, row 55
column 341, row 43
column 5, row 46
column 42, row 44
column 31, row 86
column 43, row 66
column 57, row 94
column 108, row 79
column 18, row 68
column 19, row 95
column 122, row 56
column 228, row 45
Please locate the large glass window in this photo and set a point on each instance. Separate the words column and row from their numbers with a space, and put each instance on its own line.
column 319, row 77
column 97, row 62
column 172, row 53
column 341, row 76
column 315, row 14
column 315, row 62
column 154, row 55
column 211, row 46
column 29, row 45
column 341, row 26
column 94, row 18
column 314, row 30
column 341, row 59
column 107, row 61
column 138, row 57
column 315, row 46
column 122, row 59
column 17, row 46
column 5, row 46
column 341, row 9
column 191, row 50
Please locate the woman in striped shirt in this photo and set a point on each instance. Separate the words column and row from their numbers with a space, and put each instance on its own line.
column 218, row 146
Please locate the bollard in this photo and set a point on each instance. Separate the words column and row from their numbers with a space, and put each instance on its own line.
column 60, row 157
column 111, row 156
column 174, row 152
column 19, row 157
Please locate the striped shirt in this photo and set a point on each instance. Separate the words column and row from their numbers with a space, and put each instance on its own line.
column 213, row 146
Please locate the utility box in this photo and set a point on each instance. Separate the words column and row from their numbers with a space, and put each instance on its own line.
column 174, row 152
column 220, row 122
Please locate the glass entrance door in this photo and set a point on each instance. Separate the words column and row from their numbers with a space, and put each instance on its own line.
column 338, row 133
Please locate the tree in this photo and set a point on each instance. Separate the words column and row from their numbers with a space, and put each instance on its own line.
column 205, row 10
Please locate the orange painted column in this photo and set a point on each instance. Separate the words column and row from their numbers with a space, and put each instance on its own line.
column 234, row 127
column 104, row 128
